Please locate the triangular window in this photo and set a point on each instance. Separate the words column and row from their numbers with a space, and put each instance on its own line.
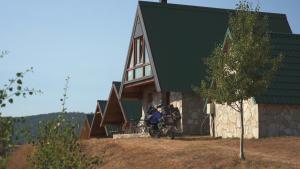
column 139, row 64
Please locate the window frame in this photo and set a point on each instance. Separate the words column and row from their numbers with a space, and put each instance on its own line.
column 142, row 59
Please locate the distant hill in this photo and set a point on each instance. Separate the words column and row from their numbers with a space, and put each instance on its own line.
column 31, row 123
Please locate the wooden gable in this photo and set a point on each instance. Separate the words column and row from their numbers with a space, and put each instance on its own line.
column 139, row 67
column 96, row 130
column 113, row 113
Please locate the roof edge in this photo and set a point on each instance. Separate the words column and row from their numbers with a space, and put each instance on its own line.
column 191, row 7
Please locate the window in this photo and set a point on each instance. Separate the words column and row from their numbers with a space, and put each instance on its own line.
column 132, row 59
column 139, row 55
column 139, row 64
column 146, row 56
column 148, row 71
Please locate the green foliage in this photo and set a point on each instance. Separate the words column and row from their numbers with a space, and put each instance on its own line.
column 57, row 144
column 8, row 92
column 5, row 135
column 243, row 67
column 14, row 89
column 26, row 128
column 3, row 163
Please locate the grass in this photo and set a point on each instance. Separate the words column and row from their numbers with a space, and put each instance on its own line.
column 18, row 159
column 188, row 152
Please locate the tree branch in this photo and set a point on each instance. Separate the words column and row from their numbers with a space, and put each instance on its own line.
column 236, row 109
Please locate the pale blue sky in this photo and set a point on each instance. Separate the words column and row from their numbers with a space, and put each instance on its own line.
column 87, row 40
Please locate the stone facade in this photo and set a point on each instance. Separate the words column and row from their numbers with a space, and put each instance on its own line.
column 226, row 121
column 195, row 121
column 260, row 120
column 279, row 120
column 189, row 104
column 176, row 100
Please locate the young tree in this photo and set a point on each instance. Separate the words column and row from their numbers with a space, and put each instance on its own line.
column 14, row 88
column 243, row 67
column 57, row 143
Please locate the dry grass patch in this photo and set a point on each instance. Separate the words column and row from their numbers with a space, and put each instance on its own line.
column 196, row 152
column 188, row 152
column 18, row 159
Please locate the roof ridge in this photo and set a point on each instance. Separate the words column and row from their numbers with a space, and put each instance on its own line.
column 116, row 82
column 101, row 100
column 204, row 8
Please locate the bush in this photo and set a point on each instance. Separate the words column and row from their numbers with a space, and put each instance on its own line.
column 57, row 144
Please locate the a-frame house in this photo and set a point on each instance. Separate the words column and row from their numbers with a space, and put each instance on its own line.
column 165, row 56
column 119, row 114
column 86, row 127
column 96, row 130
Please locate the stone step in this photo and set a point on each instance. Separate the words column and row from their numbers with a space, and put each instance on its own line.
column 136, row 135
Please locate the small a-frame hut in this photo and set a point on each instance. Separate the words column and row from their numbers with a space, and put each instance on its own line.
column 118, row 114
column 96, row 130
column 86, row 127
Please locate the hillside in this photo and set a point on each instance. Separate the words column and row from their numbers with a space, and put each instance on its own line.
column 31, row 123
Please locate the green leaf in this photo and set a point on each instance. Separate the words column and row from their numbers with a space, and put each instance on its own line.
column 10, row 100
column 19, row 81
column 18, row 74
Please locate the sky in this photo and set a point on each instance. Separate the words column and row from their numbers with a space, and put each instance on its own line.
column 86, row 40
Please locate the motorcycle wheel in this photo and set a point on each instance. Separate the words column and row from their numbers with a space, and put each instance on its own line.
column 157, row 135
column 151, row 132
column 172, row 135
column 154, row 133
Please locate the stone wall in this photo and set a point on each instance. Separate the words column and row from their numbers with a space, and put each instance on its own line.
column 279, row 120
column 189, row 104
column 227, row 121
column 194, row 118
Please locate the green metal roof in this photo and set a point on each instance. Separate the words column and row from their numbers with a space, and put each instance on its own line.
column 117, row 85
column 285, row 86
column 133, row 110
column 181, row 36
column 102, row 104
column 90, row 118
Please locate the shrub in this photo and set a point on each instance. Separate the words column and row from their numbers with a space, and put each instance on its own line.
column 57, row 144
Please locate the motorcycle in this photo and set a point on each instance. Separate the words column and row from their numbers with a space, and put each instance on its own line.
column 164, row 122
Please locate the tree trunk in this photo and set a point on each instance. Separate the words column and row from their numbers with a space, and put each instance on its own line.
column 242, row 156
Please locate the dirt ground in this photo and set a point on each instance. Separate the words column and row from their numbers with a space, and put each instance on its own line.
column 19, row 158
column 189, row 152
